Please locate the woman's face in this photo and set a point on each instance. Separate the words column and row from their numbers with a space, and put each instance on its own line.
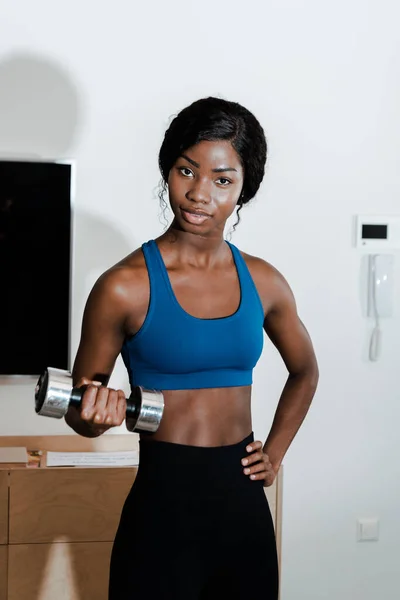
column 204, row 186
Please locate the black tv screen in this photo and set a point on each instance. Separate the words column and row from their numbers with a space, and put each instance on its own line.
column 35, row 261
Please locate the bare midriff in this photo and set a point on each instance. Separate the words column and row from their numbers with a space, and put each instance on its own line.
column 205, row 417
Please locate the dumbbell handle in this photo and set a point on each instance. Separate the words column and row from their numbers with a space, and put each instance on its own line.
column 132, row 403
column 54, row 394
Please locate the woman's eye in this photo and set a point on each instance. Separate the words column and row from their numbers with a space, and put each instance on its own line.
column 185, row 171
column 223, row 181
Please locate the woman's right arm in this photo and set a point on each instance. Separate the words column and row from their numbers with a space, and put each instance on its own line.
column 102, row 336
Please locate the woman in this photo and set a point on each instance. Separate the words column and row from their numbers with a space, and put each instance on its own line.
column 187, row 312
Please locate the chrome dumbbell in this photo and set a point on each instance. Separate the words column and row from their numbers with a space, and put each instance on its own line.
column 54, row 394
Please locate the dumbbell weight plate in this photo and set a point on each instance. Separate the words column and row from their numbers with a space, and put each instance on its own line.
column 53, row 393
column 144, row 410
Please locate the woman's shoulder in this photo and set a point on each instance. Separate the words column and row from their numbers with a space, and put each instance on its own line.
column 268, row 280
column 258, row 266
column 124, row 281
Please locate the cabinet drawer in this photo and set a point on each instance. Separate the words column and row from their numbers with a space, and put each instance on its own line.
column 3, row 507
column 59, row 571
column 74, row 505
column 3, row 572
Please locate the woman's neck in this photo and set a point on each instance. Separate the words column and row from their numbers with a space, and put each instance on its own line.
column 194, row 249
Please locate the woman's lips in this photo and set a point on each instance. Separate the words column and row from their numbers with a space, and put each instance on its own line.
column 194, row 218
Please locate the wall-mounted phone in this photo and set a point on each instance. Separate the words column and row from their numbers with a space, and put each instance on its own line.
column 379, row 296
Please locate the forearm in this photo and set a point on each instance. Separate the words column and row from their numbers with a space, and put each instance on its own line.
column 292, row 408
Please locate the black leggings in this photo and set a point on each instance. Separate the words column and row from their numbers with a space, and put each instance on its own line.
column 194, row 527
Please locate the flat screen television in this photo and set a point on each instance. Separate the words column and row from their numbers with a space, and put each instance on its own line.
column 35, row 265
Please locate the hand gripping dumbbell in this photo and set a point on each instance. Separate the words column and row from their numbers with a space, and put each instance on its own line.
column 54, row 394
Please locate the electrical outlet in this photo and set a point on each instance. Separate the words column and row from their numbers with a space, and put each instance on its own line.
column 368, row 530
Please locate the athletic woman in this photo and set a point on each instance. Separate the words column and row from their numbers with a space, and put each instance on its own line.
column 188, row 312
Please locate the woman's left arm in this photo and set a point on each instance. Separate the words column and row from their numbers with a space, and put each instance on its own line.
column 286, row 331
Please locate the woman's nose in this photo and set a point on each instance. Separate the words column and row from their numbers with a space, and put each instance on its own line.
column 199, row 192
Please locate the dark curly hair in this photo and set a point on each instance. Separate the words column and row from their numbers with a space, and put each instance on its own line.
column 214, row 119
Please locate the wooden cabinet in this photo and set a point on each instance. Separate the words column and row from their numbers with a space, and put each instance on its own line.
column 3, row 533
column 3, row 572
column 57, row 525
column 78, row 505
column 3, row 507
column 62, row 523
column 62, row 571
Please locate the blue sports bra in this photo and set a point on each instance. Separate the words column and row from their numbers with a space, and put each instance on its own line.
column 174, row 350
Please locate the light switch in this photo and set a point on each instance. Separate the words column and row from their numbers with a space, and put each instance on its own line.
column 367, row 530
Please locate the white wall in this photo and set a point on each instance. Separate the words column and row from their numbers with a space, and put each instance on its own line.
column 99, row 81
